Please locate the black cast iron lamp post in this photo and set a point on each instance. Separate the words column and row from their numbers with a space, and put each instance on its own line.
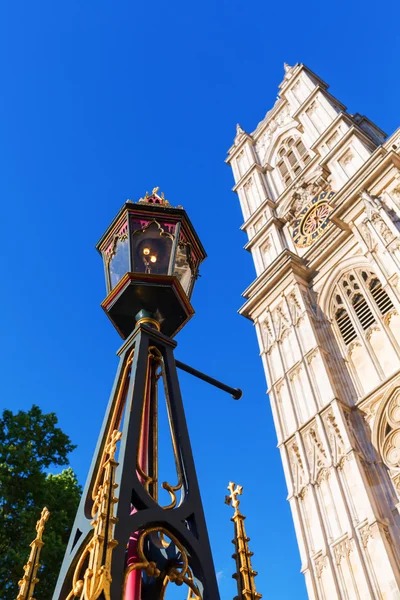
column 127, row 542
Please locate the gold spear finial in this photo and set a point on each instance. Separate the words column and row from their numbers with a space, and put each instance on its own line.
column 29, row 580
column 245, row 575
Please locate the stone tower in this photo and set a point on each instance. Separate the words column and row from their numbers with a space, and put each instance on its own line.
column 320, row 193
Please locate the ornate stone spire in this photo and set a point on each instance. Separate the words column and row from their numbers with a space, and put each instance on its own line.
column 29, row 580
column 245, row 574
column 239, row 133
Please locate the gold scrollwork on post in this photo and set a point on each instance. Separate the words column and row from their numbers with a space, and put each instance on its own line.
column 115, row 421
column 155, row 372
column 178, row 574
column 96, row 579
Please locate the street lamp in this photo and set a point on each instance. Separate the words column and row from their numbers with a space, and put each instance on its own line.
column 126, row 543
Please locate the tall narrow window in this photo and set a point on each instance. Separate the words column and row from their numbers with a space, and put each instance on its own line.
column 292, row 158
column 345, row 325
column 381, row 298
column 363, row 311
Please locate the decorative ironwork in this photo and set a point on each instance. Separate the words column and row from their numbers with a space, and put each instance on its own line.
column 245, row 573
column 28, row 582
column 154, row 198
column 115, row 421
column 121, row 236
column 158, row 225
column 149, row 431
column 98, row 552
column 178, row 573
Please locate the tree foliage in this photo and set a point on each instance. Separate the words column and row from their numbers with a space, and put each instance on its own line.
column 30, row 445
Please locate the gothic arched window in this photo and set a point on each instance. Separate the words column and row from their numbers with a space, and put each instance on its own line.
column 292, row 158
column 386, row 435
column 366, row 324
column 381, row 298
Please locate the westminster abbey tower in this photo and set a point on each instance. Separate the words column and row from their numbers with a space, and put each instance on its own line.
column 320, row 193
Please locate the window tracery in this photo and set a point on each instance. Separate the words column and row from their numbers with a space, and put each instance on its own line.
column 361, row 312
column 292, row 158
column 388, row 436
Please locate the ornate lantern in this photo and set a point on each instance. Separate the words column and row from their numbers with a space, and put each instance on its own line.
column 129, row 542
column 151, row 256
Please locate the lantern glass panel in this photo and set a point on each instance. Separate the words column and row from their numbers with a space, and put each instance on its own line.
column 182, row 268
column 151, row 250
column 119, row 262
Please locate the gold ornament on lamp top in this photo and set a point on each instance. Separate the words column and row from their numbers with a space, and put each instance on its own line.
column 245, row 575
column 154, row 196
column 29, row 580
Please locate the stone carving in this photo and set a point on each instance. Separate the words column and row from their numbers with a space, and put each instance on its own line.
column 288, row 70
column 282, row 118
column 312, row 108
column 371, row 203
column 298, row 474
column 396, row 483
column 335, row 439
column 347, row 158
column 352, row 347
column 248, row 184
column 389, row 446
column 268, row 333
column 281, row 321
column 372, row 330
column 279, row 386
column 311, row 355
column 295, row 372
column 368, row 238
column 239, row 133
column 365, row 534
column 396, row 192
column 305, row 189
column 332, row 140
column 342, row 550
column 383, row 228
column 320, row 564
column 294, row 307
column 369, row 411
column 316, row 454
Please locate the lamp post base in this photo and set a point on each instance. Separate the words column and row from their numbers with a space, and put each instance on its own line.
column 118, row 502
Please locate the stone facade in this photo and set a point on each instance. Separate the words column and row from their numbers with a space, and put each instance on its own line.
column 327, row 317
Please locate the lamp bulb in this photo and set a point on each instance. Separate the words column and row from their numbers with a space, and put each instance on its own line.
column 153, row 259
column 146, row 251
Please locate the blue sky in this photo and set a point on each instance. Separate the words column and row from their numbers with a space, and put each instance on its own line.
column 102, row 101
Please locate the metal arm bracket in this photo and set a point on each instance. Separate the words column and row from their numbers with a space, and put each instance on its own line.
column 236, row 393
